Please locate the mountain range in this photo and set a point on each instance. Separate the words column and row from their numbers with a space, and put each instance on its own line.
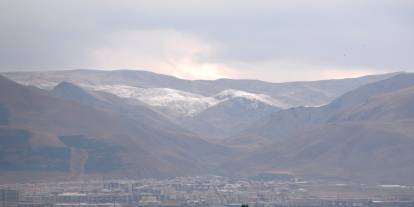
column 141, row 124
column 200, row 105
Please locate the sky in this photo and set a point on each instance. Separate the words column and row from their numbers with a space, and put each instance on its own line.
column 274, row 40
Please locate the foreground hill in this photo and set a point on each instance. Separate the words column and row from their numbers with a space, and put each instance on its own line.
column 366, row 135
column 41, row 132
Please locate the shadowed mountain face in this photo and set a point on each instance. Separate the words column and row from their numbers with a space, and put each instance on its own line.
column 72, row 92
column 228, row 118
column 364, row 135
column 4, row 115
column 86, row 134
column 16, row 153
column 280, row 125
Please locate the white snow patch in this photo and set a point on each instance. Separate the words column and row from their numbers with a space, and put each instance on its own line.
column 253, row 97
column 180, row 103
column 173, row 101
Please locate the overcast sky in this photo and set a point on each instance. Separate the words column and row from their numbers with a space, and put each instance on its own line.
column 267, row 40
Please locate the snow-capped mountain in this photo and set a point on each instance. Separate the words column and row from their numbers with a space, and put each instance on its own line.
column 221, row 107
column 170, row 100
column 289, row 94
column 217, row 116
column 176, row 103
column 235, row 111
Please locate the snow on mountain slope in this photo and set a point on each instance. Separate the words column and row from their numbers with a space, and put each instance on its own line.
column 252, row 97
column 179, row 103
column 235, row 111
column 289, row 94
column 173, row 102
column 181, row 98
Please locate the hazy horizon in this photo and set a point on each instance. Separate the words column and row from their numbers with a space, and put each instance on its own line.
column 219, row 78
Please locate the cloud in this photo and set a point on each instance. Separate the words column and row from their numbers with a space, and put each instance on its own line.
column 288, row 69
column 271, row 40
column 187, row 56
column 164, row 51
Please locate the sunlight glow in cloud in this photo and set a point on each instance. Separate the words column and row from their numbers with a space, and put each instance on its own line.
column 186, row 56
column 168, row 52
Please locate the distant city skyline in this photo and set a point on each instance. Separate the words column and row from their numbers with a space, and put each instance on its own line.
column 274, row 41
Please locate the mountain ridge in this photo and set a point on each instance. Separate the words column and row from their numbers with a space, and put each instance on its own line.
column 293, row 93
column 364, row 135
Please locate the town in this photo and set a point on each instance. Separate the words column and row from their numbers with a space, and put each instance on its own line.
column 210, row 191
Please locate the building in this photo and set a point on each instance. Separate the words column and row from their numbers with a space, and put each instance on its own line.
column 8, row 195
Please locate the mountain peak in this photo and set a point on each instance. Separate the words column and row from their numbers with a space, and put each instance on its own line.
column 72, row 92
